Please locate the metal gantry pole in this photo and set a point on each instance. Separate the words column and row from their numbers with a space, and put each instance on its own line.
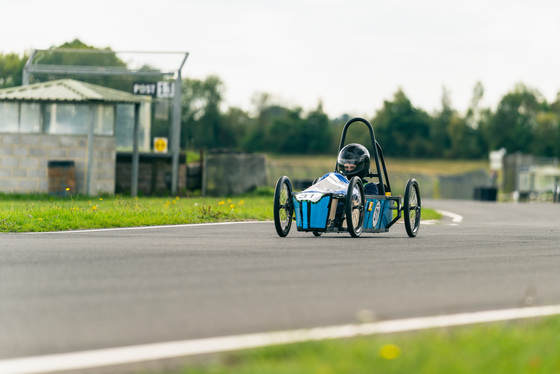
column 25, row 77
column 176, row 134
column 176, row 128
column 90, row 145
column 135, row 154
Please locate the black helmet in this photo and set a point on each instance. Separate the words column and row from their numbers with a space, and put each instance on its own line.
column 353, row 160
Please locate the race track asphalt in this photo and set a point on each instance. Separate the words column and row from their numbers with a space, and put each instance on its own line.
column 74, row 291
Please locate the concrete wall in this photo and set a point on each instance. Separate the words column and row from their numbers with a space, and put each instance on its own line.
column 154, row 173
column 24, row 162
column 228, row 174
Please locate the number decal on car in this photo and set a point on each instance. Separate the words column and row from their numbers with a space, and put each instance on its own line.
column 376, row 214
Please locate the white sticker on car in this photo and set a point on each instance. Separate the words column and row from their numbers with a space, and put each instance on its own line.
column 376, row 214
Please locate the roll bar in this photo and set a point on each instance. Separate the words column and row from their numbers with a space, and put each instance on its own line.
column 377, row 155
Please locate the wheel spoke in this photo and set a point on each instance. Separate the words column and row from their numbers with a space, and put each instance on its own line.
column 414, row 209
column 356, row 210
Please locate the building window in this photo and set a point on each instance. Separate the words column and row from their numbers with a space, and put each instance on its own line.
column 30, row 119
column 75, row 119
column 57, row 118
column 124, row 126
column 104, row 120
column 9, row 117
column 67, row 119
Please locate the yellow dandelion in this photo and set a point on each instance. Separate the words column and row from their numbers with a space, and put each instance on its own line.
column 94, row 207
column 40, row 219
column 390, row 351
column 221, row 202
column 231, row 206
column 242, row 202
column 229, row 200
column 67, row 188
column 176, row 197
column 100, row 199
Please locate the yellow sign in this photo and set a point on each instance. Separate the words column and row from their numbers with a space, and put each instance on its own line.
column 160, row 145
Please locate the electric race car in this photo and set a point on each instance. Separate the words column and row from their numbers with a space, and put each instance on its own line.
column 339, row 202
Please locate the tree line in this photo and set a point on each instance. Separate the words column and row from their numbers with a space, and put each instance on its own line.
column 523, row 121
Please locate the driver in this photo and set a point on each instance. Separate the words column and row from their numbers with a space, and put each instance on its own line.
column 354, row 160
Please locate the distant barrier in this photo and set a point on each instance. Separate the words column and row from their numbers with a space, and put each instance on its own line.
column 486, row 193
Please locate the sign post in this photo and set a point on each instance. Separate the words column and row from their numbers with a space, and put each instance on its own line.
column 160, row 145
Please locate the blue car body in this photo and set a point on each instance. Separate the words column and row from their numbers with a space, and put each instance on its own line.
column 319, row 207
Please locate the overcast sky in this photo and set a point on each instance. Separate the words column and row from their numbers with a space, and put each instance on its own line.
column 350, row 54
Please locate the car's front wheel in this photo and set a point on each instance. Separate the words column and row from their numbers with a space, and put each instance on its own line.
column 354, row 207
column 283, row 206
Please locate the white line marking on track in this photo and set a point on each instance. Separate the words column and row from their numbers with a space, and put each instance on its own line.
column 429, row 222
column 142, row 227
column 148, row 352
column 456, row 218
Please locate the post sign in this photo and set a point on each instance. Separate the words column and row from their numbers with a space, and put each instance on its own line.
column 163, row 89
column 144, row 89
column 160, row 145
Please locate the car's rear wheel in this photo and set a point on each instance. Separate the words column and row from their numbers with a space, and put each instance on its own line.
column 354, row 207
column 283, row 206
column 412, row 207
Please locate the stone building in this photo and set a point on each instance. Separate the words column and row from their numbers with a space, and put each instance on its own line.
column 67, row 120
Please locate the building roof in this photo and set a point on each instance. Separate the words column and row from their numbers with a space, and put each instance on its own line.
column 69, row 90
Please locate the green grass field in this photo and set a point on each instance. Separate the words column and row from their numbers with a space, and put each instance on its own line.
column 324, row 164
column 43, row 213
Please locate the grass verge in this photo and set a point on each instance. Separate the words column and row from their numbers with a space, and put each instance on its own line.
column 42, row 213
column 36, row 213
column 526, row 346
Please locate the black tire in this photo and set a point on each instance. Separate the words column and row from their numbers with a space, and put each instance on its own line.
column 412, row 207
column 283, row 206
column 354, row 207
column 317, row 233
